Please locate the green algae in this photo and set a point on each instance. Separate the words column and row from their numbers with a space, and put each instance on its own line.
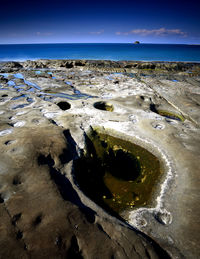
column 116, row 174
column 104, row 106
column 171, row 115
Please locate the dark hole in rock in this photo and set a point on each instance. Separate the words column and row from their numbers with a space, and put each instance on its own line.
column 116, row 174
column 53, row 122
column 153, row 108
column 19, row 234
column 16, row 180
column 116, row 82
column 64, row 106
column 1, row 199
column 8, row 142
column 43, row 160
column 10, row 124
column 74, row 251
column 16, row 218
column 37, row 220
column 104, row 106
column 104, row 144
column 4, row 95
column 69, row 65
column 79, row 63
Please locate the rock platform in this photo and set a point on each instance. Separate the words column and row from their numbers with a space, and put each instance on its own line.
column 47, row 108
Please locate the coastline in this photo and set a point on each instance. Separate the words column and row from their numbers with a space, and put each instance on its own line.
column 123, row 66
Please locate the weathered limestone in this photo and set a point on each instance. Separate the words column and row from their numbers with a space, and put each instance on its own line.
column 47, row 109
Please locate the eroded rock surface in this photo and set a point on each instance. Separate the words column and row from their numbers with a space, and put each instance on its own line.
column 47, row 109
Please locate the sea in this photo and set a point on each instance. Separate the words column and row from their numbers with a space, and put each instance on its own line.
column 101, row 51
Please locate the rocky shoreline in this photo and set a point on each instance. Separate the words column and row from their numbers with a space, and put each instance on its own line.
column 59, row 119
column 123, row 66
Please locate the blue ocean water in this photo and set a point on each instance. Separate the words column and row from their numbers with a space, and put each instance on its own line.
column 104, row 51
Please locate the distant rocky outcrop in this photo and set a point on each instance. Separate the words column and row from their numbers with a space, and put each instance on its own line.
column 136, row 42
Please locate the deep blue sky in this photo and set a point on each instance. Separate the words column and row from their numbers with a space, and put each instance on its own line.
column 69, row 21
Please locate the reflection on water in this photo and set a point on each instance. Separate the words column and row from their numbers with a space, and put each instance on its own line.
column 68, row 82
column 18, row 75
column 31, row 90
column 75, row 96
column 20, row 89
column 11, row 83
column 34, row 88
column 32, row 84
column 20, row 106
column 5, row 75
column 30, row 100
column 18, row 97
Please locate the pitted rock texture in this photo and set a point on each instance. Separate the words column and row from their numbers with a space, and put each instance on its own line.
column 46, row 108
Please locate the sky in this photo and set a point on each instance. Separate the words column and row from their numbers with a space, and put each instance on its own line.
column 100, row 21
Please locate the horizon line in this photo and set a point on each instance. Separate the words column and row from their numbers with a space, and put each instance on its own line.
column 133, row 43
